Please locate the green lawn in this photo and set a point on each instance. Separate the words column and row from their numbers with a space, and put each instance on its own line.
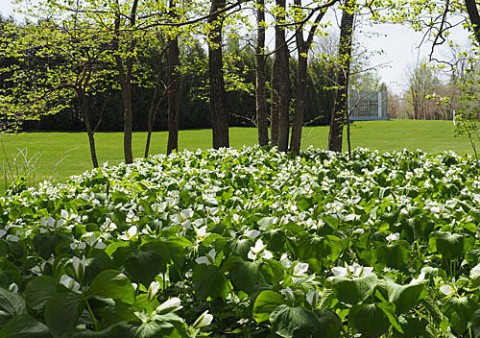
column 56, row 156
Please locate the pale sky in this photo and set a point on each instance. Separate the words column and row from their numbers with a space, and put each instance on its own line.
column 400, row 45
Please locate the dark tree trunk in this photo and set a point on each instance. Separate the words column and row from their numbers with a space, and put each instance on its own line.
column 154, row 107
column 303, row 46
column 474, row 17
column 173, row 88
column 82, row 102
column 300, row 96
column 340, row 109
column 125, row 72
column 217, row 82
column 127, row 98
column 280, row 85
column 260, row 91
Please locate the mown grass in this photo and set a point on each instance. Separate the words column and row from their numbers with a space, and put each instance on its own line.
column 55, row 156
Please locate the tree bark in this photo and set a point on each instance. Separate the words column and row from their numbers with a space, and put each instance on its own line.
column 303, row 46
column 300, row 96
column 220, row 132
column 260, row 88
column 173, row 88
column 280, row 84
column 82, row 102
column 125, row 71
column 340, row 110
column 474, row 17
column 154, row 107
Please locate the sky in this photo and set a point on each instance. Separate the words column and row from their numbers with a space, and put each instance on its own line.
column 393, row 48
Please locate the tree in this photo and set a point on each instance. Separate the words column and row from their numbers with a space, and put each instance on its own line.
column 422, row 83
column 173, row 86
column 339, row 114
column 303, row 48
column 124, row 27
column 62, row 57
column 217, row 82
column 260, row 87
column 280, row 92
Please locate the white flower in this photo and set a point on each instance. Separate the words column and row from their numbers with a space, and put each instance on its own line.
column 300, row 269
column 242, row 321
column 352, row 271
column 12, row 238
column 259, row 250
column 204, row 320
column 475, row 272
column 312, row 297
column 79, row 266
column 153, row 290
column 208, row 259
column 171, row 305
column 201, row 232
column 70, row 283
column 64, row 214
column 358, row 232
column 339, row 271
column 253, row 233
column 288, row 292
column 129, row 234
column 286, row 263
column 447, row 290
column 393, row 237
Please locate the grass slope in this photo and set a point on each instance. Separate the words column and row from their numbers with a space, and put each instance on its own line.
column 55, row 156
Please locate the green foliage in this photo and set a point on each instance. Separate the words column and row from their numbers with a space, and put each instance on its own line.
column 246, row 242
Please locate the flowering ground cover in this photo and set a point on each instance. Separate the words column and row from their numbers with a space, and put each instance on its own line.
column 247, row 243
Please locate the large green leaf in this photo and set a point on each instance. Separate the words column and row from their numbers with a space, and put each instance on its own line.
column 476, row 323
column 326, row 247
column 177, row 246
column 49, row 244
column 460, row 311
column 405, row 297
column 112, row 284
column 24, row 326
column 39, row 291
column 62, row 312
column 144, row 265
column 354, row 291
column 265, row 303
column 294, row 322
column 246, row 275
column 329, row 324
column 369, row 320
column 209, row 281
column 450, row 245
column 12, row 303
column 395, row 255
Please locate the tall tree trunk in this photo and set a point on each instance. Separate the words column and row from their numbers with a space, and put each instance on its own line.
column 280, row 84
column 260, row 91
column 127, row 98
column 154, row 107
column 300, row 96
column 125, row 72
column 303, row 46
column 340, row 111
column 217, row 82
column 173, row 88
column 82, row 102
column 474, row 17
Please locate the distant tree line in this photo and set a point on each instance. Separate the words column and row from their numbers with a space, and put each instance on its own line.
column 106, row 106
